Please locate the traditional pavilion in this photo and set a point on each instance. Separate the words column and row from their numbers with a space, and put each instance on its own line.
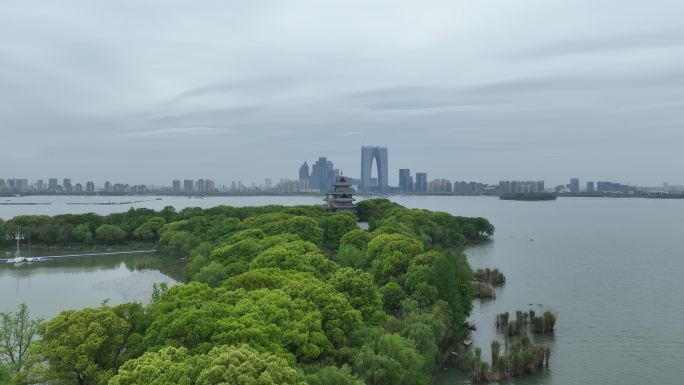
column 341, row 198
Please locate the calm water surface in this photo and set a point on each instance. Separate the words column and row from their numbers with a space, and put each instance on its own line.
column 610, row 268
column 73, row 283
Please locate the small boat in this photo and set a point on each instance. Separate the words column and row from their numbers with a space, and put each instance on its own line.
column 16, row 260
column 470, row 325
column 30, row 259
column 467, row 342
column 41, row 259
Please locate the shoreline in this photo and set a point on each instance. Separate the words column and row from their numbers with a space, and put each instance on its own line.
column 309, row 194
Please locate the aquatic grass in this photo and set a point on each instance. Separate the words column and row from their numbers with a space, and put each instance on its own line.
column 491, row 276
column 496, row 349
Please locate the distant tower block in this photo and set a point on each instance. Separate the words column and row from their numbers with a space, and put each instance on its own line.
column 341, row 198
column 368, row 153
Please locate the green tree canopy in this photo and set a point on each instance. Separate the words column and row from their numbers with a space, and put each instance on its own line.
column 335, row 226
column 299, row 256
column 243, row 365
column 164, row 367
column 82, row 234
column 17, row 330
column 109, row 234
column 84, row 346
column 361, row 292
column 389, row 359
column 339, row 317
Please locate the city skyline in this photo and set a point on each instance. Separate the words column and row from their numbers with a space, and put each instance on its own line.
column 374, row 160
column 418, row 183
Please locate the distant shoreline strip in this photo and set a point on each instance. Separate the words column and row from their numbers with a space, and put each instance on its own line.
column 94, row 254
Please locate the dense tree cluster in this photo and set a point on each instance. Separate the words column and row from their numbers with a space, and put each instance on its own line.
column 275, row 295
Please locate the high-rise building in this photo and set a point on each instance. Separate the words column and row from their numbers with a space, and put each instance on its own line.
column 66, row 185
column 323, row 174
column 405, row 182
column 22, row 185
column 52, row 184
column 90, row 187
column 188, row 186
column 209, row 186
column 176, row 186
column 574, row 185
column 440, row 186
column 108, row 186
column 78, row 188
column 304, row 172
column 379, row 154
column 590, row 187
column 611, row 187
column 421, row 182
column 518, row 186
column 40, row 185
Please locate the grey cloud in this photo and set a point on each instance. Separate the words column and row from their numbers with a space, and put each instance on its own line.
column 212, row 117
column 178, row 131
column 604, row 44
column 493, row 94
column 252, row 86
column 252, row 89
column 417, row 97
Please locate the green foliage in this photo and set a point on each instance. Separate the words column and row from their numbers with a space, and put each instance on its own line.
column 361, row 292
column 389, row 359
column 392, row 296
column 428, row 328
column 335, row 226
column 339, row 317
column 298, row 255
column 352, row 250
column 332, row 375
column 109, row 235
column 442, row 276
column 235, row 365
column 357, row 238
column 390, row 255
column 242, row 365
column 149, row 231
column 269, row 320
column 164, row 367
column 264, row 299
column 5, row 375
column 158, row 290
column 17, row 330
column 373, row 210
column 434, row 228
column 180, row 242
column 306, row 228
column 82, row 234
column 86, row 345
column 492, row 276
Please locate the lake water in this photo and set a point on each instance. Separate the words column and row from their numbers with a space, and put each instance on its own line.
column 72, row 283
column 611, row 269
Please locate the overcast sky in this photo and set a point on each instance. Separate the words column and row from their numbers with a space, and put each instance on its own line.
column 146, row 91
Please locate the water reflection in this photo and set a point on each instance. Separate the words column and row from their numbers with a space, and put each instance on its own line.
column 69, row 283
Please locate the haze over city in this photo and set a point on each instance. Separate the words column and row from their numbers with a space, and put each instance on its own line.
column 467, row 90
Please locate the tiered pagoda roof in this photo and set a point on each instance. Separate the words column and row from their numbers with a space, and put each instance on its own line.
column 341, row 198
